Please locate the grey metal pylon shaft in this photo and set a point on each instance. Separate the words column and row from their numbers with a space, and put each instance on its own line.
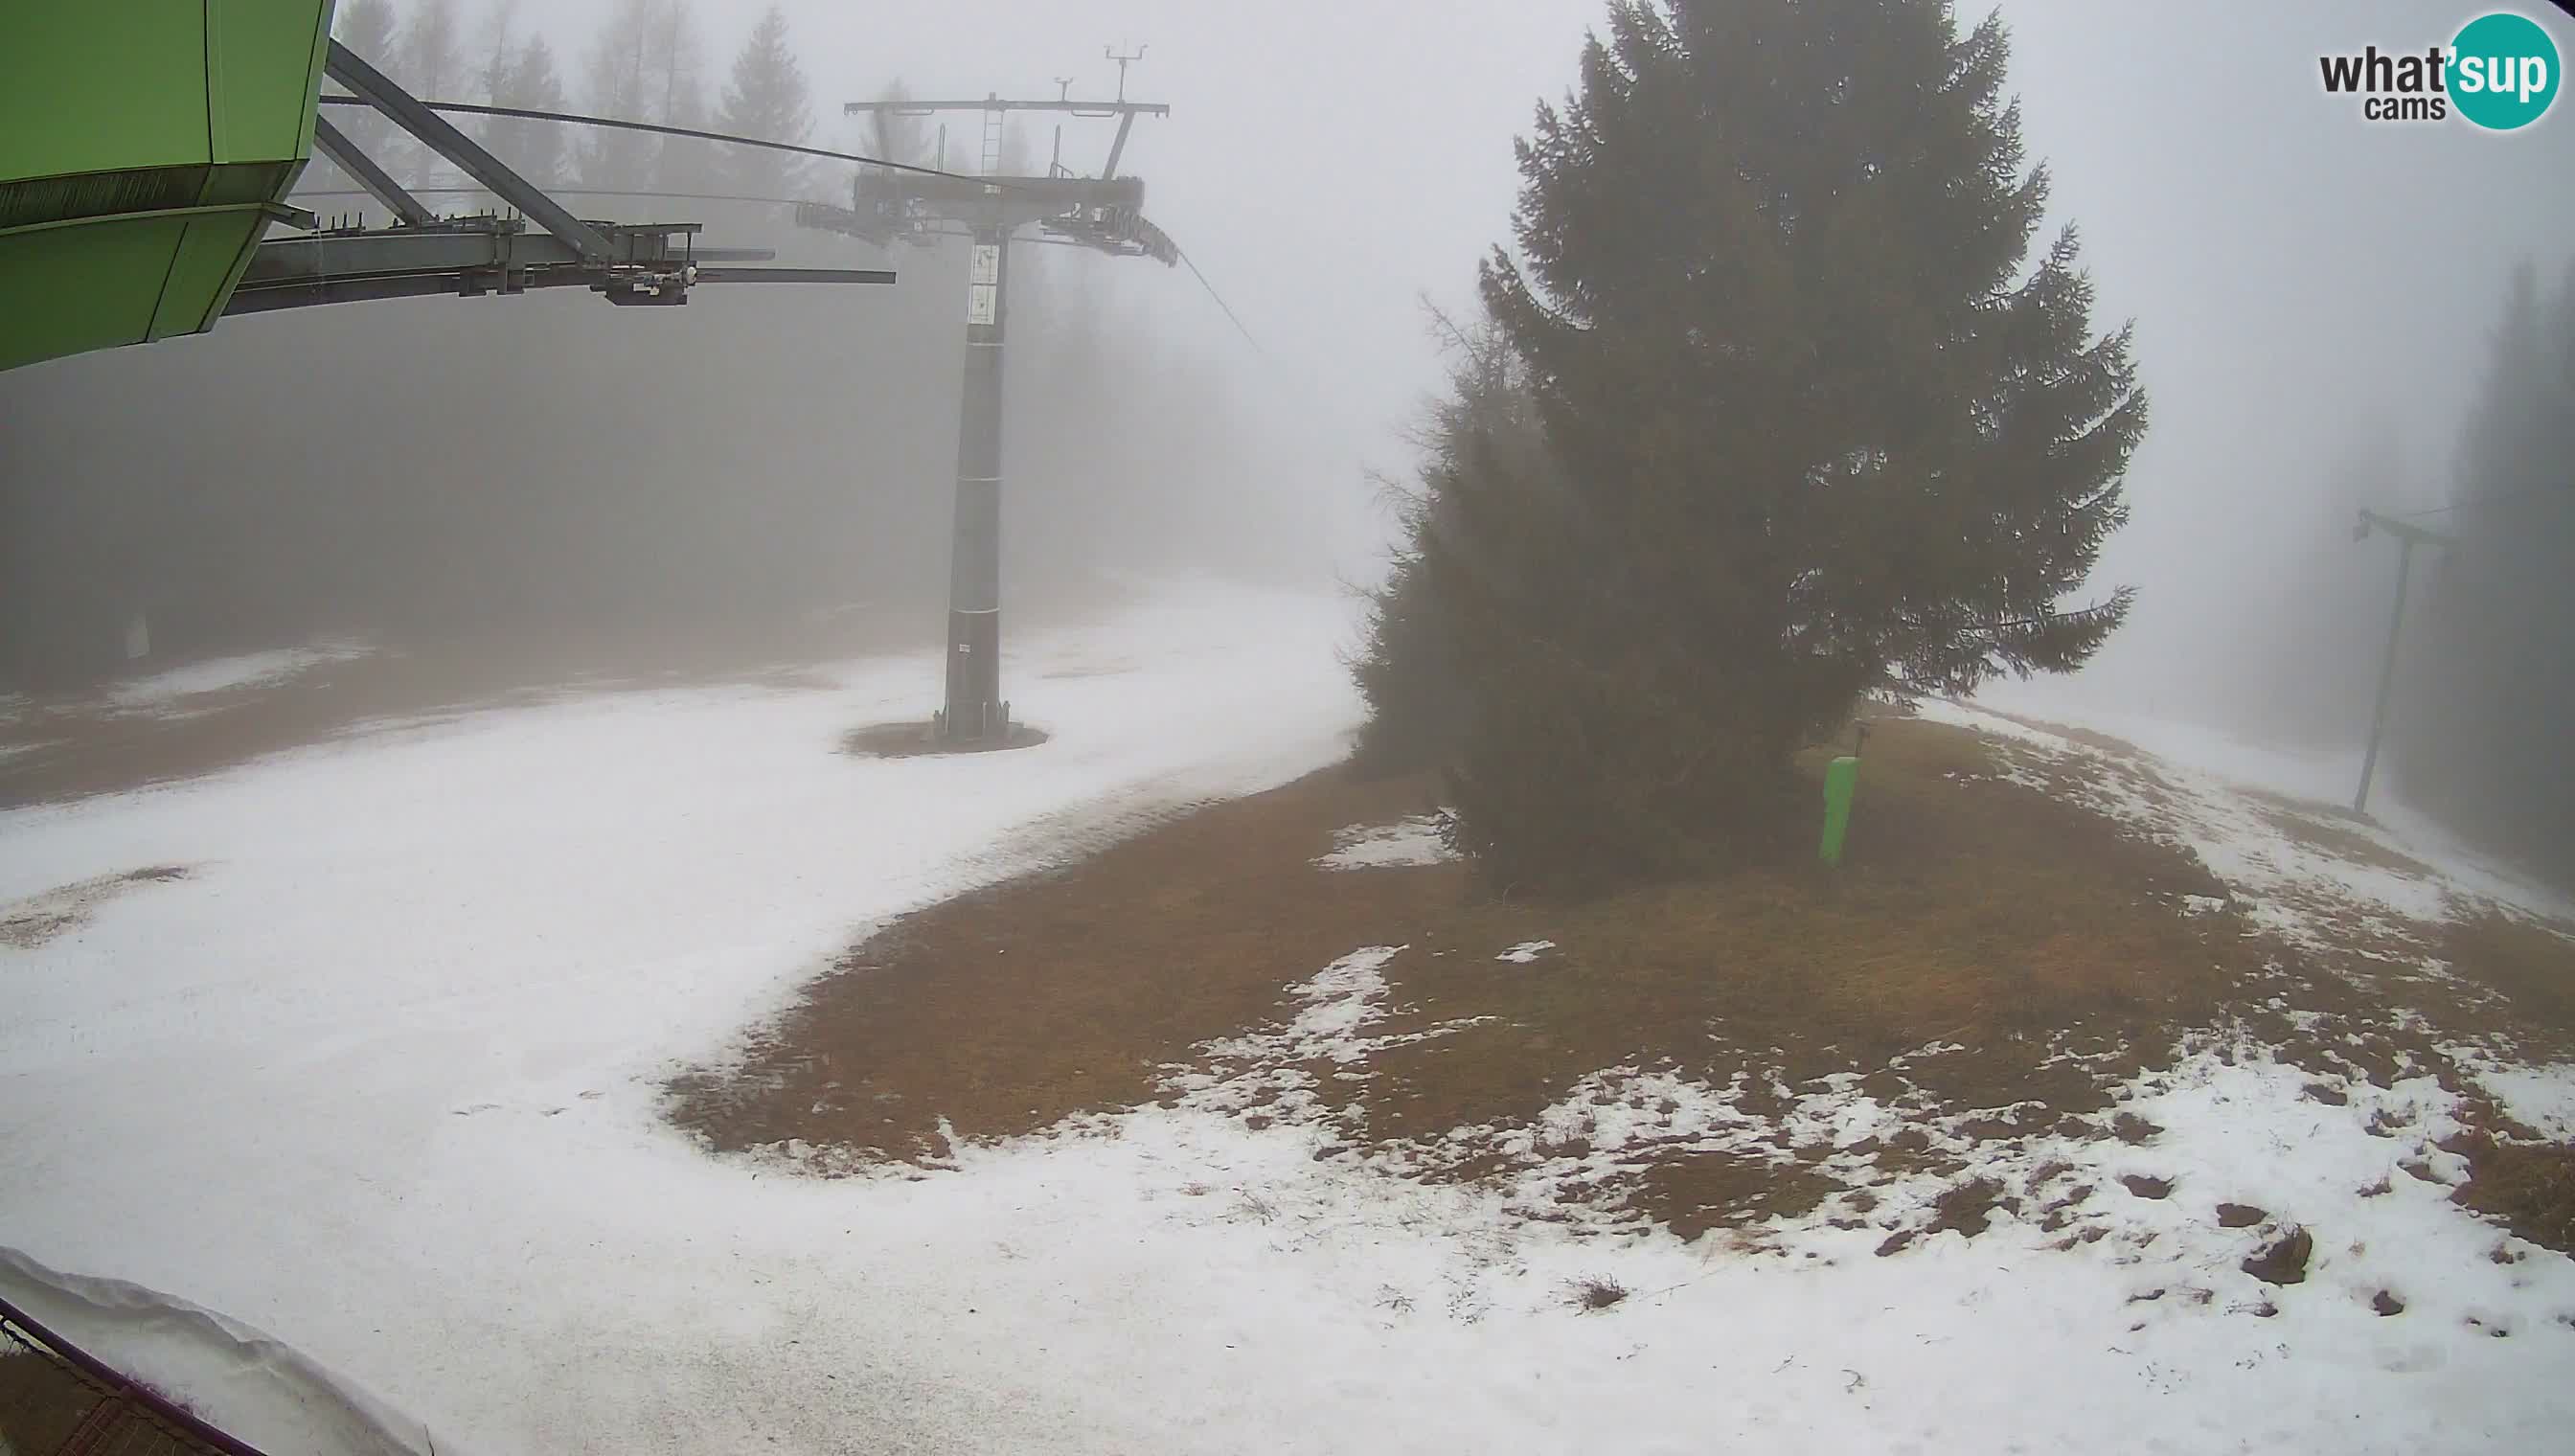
column 974, row 706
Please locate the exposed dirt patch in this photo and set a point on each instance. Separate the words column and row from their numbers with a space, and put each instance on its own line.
column 1967, row 1207
column 1692, row 1192
column 1594, row 1295
column 914, row 739
column 2526, row 1186
column 2387, row 1303
column 2239, row 1215
column 2284, row 1259
column 2145, row 1187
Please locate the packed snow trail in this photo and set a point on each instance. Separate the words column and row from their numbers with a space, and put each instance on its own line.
column 379, row 1076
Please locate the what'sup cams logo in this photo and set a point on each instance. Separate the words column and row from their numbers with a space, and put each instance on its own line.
column 2500, row 72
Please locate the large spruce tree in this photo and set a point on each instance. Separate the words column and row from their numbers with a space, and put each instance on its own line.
column 1816, row 424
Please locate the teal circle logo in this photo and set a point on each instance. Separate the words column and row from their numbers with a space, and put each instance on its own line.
column 2503, row 71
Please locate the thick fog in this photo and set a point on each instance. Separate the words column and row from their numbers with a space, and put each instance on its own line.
column 2315, row 298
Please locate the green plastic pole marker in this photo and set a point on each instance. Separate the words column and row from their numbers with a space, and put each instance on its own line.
column 1842, row 781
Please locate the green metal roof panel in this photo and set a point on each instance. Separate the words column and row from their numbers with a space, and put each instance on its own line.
column 103, row 88
column 144, row 148
column 263, row 67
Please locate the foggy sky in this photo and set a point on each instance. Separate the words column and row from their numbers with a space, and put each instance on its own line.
column 2293, row 270
column 2297, row 275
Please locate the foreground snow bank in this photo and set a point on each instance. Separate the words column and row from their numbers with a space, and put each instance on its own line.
column 240, row 1380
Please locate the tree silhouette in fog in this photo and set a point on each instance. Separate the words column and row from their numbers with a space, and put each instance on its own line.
column 767, row 98
column 2490, row 696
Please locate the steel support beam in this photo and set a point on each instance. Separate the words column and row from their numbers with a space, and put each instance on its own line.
column 305, row 293
column 362, row 169
column 441, row 248
column 473, row 256
column 441, row 136
column 794, row 275
column 1029, row 197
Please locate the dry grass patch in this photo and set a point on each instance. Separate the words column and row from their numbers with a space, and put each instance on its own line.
column 1006, row 1011
column 2530, row 964
column 2528, row 1187
column 2334, row 831
column 1969, row 912
column 1979, row 929
column 1976, row 916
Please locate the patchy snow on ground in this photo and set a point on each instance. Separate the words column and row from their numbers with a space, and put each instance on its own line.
column 2122, row 1296
column 2541, row 1099
column 1415, row 839
column 1526, row 951
column 166, row 691
column 379, row 1076
column 2324, row 779
column 2284, row 880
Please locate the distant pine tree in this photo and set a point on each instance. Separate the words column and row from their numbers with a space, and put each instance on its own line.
column 767, row 98
column 1814, row 426
column 528, row 80
column 623, row 69
column 366, row 27
column 428, row 62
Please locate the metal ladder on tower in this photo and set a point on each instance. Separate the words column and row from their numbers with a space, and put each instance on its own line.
column 992, row 142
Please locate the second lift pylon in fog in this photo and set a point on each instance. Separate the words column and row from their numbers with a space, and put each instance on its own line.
column 1104, row 213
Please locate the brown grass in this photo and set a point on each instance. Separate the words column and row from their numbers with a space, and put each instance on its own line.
column 2529, row 964
column 1971, row 912
column 2528, row 1187
column 2334, row 831
column 1994, row 920
column 1007, row 1010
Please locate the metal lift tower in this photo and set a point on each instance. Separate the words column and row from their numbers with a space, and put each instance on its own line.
column 1103, row 213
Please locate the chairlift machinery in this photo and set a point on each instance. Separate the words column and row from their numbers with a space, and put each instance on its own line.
column 920, row 207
